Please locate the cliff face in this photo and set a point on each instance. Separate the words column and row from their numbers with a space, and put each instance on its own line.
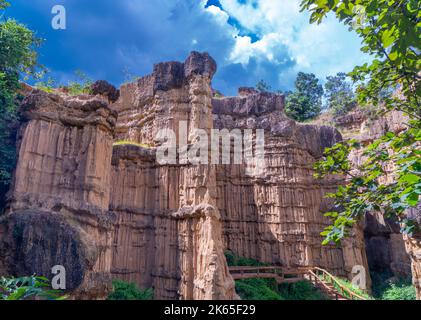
column 282, row 207
column 104, row 211
column 168, row 234
column 57, row 211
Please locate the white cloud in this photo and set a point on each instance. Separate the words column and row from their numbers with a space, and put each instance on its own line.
column 285, row 34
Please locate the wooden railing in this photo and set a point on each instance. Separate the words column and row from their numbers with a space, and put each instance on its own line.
column 288, row 275
column 282, row 275
column 324, row 277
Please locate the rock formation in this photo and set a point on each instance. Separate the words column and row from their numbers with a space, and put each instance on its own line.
column 284, row 206
column 58, row 206
column 104, row 211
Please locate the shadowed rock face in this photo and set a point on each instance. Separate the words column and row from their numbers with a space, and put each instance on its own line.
column 104, row 88
column 36, row 241
column 114, row 211
column 173, row 75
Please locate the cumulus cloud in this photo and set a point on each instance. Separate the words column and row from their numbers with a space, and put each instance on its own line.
column 288, row 42
column 249, row 39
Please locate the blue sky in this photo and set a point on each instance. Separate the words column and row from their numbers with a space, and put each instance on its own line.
column 249, row 39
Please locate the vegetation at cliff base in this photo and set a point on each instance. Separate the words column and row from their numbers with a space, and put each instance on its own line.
column 123, row 290
column 388, row 287
column 269, row 289
column 25, row 288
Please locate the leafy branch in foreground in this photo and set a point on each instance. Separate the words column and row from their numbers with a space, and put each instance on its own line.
column 27, row 288
column 388, row 180
column 368, row 188
column 18, row 58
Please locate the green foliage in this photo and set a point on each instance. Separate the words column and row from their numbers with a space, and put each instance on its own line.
column 399, row 291
column 257, row 289
column 366, row 191
column 81, row 86
column 303, row 290
column 235, row 261
column 345, row 283
column 390, row 32
column 263, row 86
column 386, row 287
column 268, row 289
column 47, row 85
column 123, row 290
column 339, row 94
column 306, row 101
column 18, row 58
column 4, row 4
column 27, row 288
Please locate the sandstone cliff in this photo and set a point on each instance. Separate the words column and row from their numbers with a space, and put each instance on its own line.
column 107, row 211
column 58, row 206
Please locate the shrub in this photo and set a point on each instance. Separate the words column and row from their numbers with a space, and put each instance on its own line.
column 268, row 289
column 303, row 290
column 27, row 288
column 257, row 289
column 235, row 261
column 386, row 287
column 399, row 291
column 123, row 290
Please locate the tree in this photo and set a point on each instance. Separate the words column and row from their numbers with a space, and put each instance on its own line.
column 339, row 94
column 389, row 30
column 18, row 58
column 263, row 86
column 306, row 101
column 4, row 4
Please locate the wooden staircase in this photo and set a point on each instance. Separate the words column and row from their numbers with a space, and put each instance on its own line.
column 319, row 277
column 330, row 285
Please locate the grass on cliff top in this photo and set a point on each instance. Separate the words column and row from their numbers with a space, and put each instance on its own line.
column 130, row 143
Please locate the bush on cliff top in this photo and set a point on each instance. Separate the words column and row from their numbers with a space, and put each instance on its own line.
column 123, row 290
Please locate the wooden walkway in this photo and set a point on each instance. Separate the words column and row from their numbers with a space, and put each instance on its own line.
column 319, row 277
